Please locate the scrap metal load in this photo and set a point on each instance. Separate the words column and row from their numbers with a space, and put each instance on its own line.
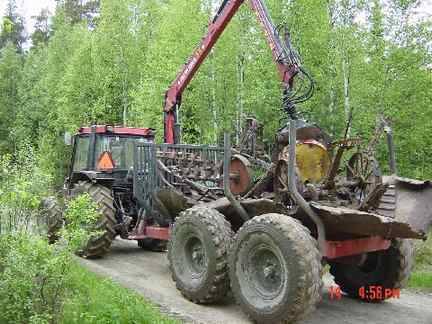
column 351, row 199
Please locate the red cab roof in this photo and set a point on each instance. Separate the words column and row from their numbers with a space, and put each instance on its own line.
column 107, row 129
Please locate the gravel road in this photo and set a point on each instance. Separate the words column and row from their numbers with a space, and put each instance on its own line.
column 148, row 274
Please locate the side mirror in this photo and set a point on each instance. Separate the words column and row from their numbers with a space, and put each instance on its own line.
column 68, row 138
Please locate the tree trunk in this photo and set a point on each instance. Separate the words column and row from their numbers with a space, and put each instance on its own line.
column 213, row 98
column 347, row 108
column 240, row 103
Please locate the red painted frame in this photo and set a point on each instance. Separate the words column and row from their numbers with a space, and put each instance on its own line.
column 106, row 129
column 333, row 249
column 339, row 249
column 143, row 232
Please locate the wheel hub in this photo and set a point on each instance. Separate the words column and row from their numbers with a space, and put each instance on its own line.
column 195, row 255
column 270, row 272
column 266, row 272
column 198, row 255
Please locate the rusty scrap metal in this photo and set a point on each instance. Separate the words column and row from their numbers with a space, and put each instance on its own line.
column 226, row 180
column 345, row 220
column 373, row 198
column 358, row 203
column 342, row 146
column 240, row 174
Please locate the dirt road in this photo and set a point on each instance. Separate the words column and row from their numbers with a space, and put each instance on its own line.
column 148, row 274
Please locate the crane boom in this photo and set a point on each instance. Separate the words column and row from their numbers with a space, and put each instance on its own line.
column 287, row 64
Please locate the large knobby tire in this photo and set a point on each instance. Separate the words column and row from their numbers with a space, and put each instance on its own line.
column 198, row 254
column 389, row 269
column 99, row 245
column 275, row 269
column 53, row 218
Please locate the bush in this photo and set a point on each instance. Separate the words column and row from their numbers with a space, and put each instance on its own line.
column 35, row 276
column 41, row 283
column 424, row 255
column 22, row 186
column 80, row 217
column 34, row 279
column 421, row 278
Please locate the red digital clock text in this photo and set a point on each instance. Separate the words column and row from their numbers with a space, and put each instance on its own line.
column 376, row 293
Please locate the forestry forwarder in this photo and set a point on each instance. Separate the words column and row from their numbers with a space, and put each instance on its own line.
column 306, row 210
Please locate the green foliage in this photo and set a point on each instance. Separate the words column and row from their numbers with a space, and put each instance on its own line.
column 423, row 253
column 97, row 300
column 80, row 217
column 10, row 76
column 33, row 279
column 33, row 275
column 76, row 11
column 42, row 30
column 22, row 186
column 421, row 280
column 12, row 28
column 41, row 283
column 421, row 277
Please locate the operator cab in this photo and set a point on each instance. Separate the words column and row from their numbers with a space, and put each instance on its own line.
column 106, row 152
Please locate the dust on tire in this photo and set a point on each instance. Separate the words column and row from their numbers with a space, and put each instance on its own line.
column 299, row 286
column 205, row 232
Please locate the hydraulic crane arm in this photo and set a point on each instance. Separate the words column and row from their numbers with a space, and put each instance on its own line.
column 287, row 63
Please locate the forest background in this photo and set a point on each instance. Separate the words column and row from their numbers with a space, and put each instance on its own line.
column 111, row 61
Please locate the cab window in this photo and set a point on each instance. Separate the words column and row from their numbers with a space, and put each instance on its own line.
column 81, row 152
column 121, row 149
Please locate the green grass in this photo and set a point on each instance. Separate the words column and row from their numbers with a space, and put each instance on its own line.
column 96, row 300
column 421, row 278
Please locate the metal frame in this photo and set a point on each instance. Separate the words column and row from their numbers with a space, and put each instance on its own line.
column 107, row 129
column 147, row 176
column 340, row 249
column 333, row 250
